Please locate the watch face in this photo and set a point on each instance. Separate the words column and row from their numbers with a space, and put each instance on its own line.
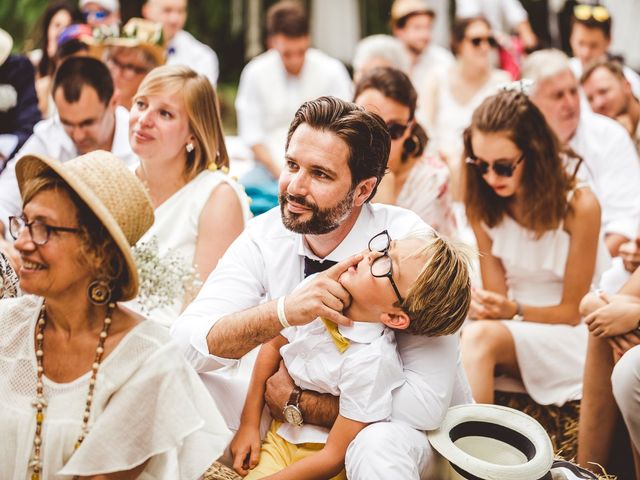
column 292, row 415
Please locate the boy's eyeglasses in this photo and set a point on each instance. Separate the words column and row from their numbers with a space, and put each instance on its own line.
column 585, row 12
column 383, row 266
column 396, row 130
column 477, row 41
column 502, row 169
column 38, row 231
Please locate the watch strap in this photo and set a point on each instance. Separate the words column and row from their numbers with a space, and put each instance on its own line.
column 294, row 398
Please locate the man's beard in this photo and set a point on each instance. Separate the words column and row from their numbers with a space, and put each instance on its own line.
column 321, row 221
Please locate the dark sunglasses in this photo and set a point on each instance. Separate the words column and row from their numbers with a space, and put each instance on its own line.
column 98, row 15
column 477, row 41
column 396, row 130
column 502, row 169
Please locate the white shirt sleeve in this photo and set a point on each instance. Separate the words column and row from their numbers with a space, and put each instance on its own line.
column 249, row 109
column 342, row 85
column 430, row 365
column 237, row 283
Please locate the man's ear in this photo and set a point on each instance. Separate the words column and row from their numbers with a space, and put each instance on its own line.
column 397, row 319
column 363, row 190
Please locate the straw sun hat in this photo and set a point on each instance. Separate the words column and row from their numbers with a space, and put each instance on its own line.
column 143, row 34
column 110, row 190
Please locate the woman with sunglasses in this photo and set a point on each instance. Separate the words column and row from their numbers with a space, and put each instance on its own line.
column 412, row 181
column 538, row 235
column 450, row 96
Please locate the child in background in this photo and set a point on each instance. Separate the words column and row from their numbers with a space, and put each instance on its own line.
column 418, row 284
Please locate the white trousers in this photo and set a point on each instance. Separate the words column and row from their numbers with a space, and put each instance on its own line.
column 381, row 451
column 626, row 390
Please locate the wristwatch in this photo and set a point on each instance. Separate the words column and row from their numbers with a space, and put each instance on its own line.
column 291, row 410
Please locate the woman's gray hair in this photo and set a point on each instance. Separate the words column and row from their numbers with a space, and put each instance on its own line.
column 544, row 64
column 381, row 46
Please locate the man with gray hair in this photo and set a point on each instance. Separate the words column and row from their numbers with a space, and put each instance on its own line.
column 379, row 51
column 610, row 160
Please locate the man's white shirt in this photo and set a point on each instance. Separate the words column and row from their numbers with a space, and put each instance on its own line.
column 612, row 169
column 185, row 49
column 268, row 96
column 49, row 139
column 267, row 261
column 433, row 58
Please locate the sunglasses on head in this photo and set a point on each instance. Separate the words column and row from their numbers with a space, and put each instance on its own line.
column 97, row 15
column 396, row 130
column 586, row 12
column 477, row 41
column 502, row 169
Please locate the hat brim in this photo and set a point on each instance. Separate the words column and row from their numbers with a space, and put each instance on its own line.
column 158, row 53
column 6, row 44
column 509, row 430
column 30, row 166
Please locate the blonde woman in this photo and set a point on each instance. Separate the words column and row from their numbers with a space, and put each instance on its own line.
column 175, row 130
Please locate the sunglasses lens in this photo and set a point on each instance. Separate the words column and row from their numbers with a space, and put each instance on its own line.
column 582, row 12
column 601, row 14
column 396, row 130
column 476, row 42
column 493, row 43
column 503, row 170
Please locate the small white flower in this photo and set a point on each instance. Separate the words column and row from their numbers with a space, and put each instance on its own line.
column 8, row 97
column 163, row 279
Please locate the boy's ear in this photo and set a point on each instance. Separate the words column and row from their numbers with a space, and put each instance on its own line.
column 398, row 319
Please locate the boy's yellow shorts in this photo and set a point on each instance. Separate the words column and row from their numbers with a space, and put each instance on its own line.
column 276, row 454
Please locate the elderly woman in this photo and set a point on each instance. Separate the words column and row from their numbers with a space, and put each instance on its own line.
column 90, row 389
column 176, row 131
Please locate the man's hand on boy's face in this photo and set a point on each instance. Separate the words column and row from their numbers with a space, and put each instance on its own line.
column 321, row 297
column 279, row 388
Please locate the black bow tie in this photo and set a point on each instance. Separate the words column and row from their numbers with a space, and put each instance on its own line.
column 312, row 266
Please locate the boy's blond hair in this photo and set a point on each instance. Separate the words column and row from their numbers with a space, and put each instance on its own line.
column 438, row 300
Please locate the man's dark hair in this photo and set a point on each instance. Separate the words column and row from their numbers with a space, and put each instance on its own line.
column 591, row 23
column 289, row 18
column 365, row 134
column 76, row 72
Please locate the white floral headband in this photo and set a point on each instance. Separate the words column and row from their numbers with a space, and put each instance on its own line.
column 523, row 85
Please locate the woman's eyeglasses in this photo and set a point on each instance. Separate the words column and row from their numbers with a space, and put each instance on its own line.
column 502, row 169
column 586, row 12
column 477, row 41
column 39, row 231
column 383, row 266
column 396, row 130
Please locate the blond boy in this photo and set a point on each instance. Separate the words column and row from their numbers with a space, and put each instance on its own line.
column 418, row 284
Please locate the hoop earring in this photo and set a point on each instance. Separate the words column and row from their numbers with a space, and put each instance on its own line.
column 189, row 147
column 99, row 292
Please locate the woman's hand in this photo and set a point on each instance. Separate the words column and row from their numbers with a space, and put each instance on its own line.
column 245, row 449
column 491, row 305
column 614, row 318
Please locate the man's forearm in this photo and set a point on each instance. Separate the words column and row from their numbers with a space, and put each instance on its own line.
column 237, row 334
column 320, row 409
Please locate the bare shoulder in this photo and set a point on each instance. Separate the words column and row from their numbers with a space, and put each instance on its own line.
column 585, row 210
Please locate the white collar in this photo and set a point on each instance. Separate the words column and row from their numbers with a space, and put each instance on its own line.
column 362, row 332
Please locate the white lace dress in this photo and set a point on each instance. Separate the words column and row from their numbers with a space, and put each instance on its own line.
column 176, row 229
column 148, row 404
column 550, row 357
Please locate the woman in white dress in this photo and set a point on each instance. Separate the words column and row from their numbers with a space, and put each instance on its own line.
column 450, row 96
column 175, row 130
column 538, row 236
column 88, row 389
column 413, row 180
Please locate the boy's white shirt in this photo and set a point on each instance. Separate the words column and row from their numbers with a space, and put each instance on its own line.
column 363, row 376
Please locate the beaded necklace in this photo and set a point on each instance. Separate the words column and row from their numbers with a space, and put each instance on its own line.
column 40, row 402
